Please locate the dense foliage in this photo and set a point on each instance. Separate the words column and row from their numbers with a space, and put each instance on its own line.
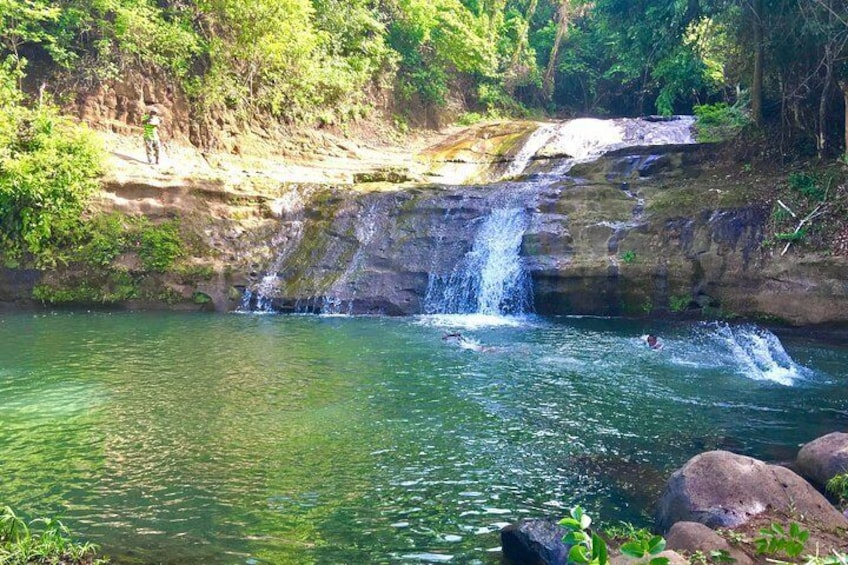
column 326, row 60
column 43, row 540
column 48, row 169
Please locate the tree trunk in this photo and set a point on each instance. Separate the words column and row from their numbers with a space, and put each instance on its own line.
column 562, row 25
column 757, row 79
column 828, row 80
column 843, row 86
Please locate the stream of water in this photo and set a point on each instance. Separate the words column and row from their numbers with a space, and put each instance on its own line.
column 252, row 439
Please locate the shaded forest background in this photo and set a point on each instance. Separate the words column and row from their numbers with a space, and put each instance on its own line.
column 424, row 62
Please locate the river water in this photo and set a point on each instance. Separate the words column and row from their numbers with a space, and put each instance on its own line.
column 251, row 438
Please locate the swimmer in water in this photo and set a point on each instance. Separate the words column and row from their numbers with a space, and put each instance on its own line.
column 465, row 343
column 654, row 342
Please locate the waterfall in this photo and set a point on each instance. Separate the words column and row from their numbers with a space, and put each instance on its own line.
column 490, row 278
column 585, row 139
column 290, row 205
column 536, row 141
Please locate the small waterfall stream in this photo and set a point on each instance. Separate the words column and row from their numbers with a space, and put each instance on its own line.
column 490, row 278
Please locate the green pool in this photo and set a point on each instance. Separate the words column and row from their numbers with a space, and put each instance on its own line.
column 252, row 439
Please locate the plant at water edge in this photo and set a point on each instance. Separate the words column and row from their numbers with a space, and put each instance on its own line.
column 625, row 532
column 586, row 547
column 774, row 540
column 733, row 537
column 838, row 487
column 714, row 556
column 679, row 303
column 589, row 548
column 43, row 540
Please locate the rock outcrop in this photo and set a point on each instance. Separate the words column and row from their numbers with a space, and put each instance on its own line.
column 824, row 458
column 640, row 231
column 691, row 537
column 720, row 490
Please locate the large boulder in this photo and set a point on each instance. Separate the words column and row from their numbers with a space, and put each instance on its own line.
column 824, row 458
column 534, row 542
column 693, row 536
column 721, row 490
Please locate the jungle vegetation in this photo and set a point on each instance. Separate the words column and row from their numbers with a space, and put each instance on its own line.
column 330, row 61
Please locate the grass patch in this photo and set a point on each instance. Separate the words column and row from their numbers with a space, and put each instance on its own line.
column 43, row 540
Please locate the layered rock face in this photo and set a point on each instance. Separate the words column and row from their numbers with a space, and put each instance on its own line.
column 640, row 230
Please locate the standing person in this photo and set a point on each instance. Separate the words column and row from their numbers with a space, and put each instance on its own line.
column 152, row 146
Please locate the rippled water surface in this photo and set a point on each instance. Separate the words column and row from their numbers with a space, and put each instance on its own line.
column 291, row 439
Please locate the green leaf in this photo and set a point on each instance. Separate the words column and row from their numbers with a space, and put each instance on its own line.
column 656, row 545
column 633, row 549
column 599, row 550
column 570, row 523
column 578, row 555
column 658, row 561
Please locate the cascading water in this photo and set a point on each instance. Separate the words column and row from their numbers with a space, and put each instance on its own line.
column 259, row 297
column 585, row 139
column 490, row 279
column 534, row 143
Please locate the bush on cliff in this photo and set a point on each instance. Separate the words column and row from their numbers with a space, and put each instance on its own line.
column 49, row 167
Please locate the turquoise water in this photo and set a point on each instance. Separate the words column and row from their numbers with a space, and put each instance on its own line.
column 189, row 439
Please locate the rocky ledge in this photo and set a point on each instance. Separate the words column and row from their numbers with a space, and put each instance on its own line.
column 717, row 503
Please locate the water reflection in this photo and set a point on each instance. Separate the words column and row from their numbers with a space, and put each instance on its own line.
column 272, row 439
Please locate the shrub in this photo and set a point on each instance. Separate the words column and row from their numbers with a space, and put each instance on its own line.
column 719, row 122
column 160, row 246
column 49, row 167
column 43, row 540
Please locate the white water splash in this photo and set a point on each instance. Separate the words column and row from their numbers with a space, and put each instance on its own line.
column 758, row 354
column 490, row 279
column 470, row 321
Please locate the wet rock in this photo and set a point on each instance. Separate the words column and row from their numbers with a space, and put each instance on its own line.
column 673, row 557
column 534, row 542
column 693, row 536
column 824, row 458
column 721, row 489
column 387, row 174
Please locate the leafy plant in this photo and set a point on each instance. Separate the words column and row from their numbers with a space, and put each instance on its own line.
column 807, row 185
column 838, row 487
column 791, row 236
column 43, row 540
column 642, row 548
column 48, row 170
column 587, row 547
column 679, row 303
column 628, row 256
column 627, row 532
column 775, row 539
column 734, row 537
column 718, row 122
column 160, row 246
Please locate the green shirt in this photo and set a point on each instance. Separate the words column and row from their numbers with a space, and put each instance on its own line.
column 151, row 127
